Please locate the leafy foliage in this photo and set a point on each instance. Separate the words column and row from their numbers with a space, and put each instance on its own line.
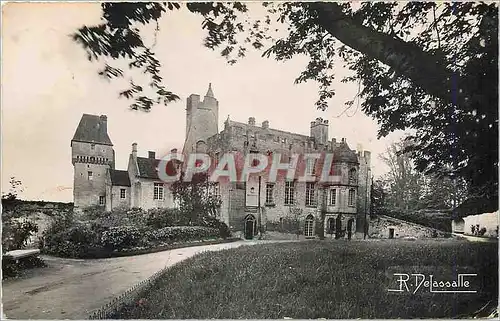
column 196, row 198
column 405, row 188
column 104, row 233
column 16, row 187
column 15, row 234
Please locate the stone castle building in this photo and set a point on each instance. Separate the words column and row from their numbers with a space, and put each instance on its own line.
column 340, row 206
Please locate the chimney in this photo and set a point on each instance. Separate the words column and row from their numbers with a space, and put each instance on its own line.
column 367, row 155
column 104, row 123
column 265, row 124
column 343, row 141
column 134, row 150
column 251, row 121
column 151, row 154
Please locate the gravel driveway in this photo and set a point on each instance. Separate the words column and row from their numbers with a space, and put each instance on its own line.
column 70, row 288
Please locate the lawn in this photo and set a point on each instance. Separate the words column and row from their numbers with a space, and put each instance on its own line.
column 320, row 279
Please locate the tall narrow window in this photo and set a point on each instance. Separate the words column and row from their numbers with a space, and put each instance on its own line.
column 352, row 197
column 158, row 191
column 102, row 200
column 310, row 194
column 90, row 175
column 123, row 193
column 92, row 146
column 289, row 193
column 333, row 197
column 270, row 193
column 308, row 226
column 311, row 166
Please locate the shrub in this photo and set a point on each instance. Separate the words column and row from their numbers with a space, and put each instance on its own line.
column 12, row 269
column 164, row 217
column 181, row 233
column 15, row 234
column 212, row 222
column 74, row 241
column 121, row 237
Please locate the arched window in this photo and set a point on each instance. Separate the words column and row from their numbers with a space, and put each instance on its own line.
column 353, row 179
column 309, row 226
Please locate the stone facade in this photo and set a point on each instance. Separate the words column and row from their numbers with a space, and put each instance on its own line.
column 338, row 207
column 98, row 183
column 92, row 155
column 388, row 227
column 340, row 204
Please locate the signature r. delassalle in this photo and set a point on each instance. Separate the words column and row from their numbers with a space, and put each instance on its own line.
column 415, row 282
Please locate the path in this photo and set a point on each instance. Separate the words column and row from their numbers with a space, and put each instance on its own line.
column 70, row 288
column 472, row 238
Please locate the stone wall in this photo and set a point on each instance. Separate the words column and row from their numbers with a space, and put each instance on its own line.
column 146, row 195
column 380, row 227
column 40, row 212
column 486, row 220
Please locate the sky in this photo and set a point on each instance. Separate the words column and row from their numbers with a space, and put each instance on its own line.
column 48, row 83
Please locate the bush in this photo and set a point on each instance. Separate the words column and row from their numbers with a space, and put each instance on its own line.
column 181, row 234
column 15, row 234
column 163, row 217
column 212, row 222
column 12, row 269
column 74, row 241
column 121, row 237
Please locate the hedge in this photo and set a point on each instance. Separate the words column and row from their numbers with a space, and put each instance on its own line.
column 81, row 241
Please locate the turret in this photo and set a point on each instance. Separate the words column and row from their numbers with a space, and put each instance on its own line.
column 202, row 119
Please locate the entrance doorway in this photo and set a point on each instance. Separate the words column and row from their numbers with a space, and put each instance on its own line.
column 331, row 226
column 391, row 233
column 338, row 227
column 250, row 226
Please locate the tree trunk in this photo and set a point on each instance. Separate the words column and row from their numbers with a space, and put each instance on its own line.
column 407, row 59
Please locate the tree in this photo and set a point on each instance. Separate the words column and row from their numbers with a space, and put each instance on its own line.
column 424, row 66
column 405, row 184
column 16, row 187
column 197, row 198
column 378, row 196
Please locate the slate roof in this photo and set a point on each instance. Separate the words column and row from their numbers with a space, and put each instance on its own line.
column 119, row 178
column 147, row 167
column 92, row 129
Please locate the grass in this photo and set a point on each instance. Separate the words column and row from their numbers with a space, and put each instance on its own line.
column 319, row 279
